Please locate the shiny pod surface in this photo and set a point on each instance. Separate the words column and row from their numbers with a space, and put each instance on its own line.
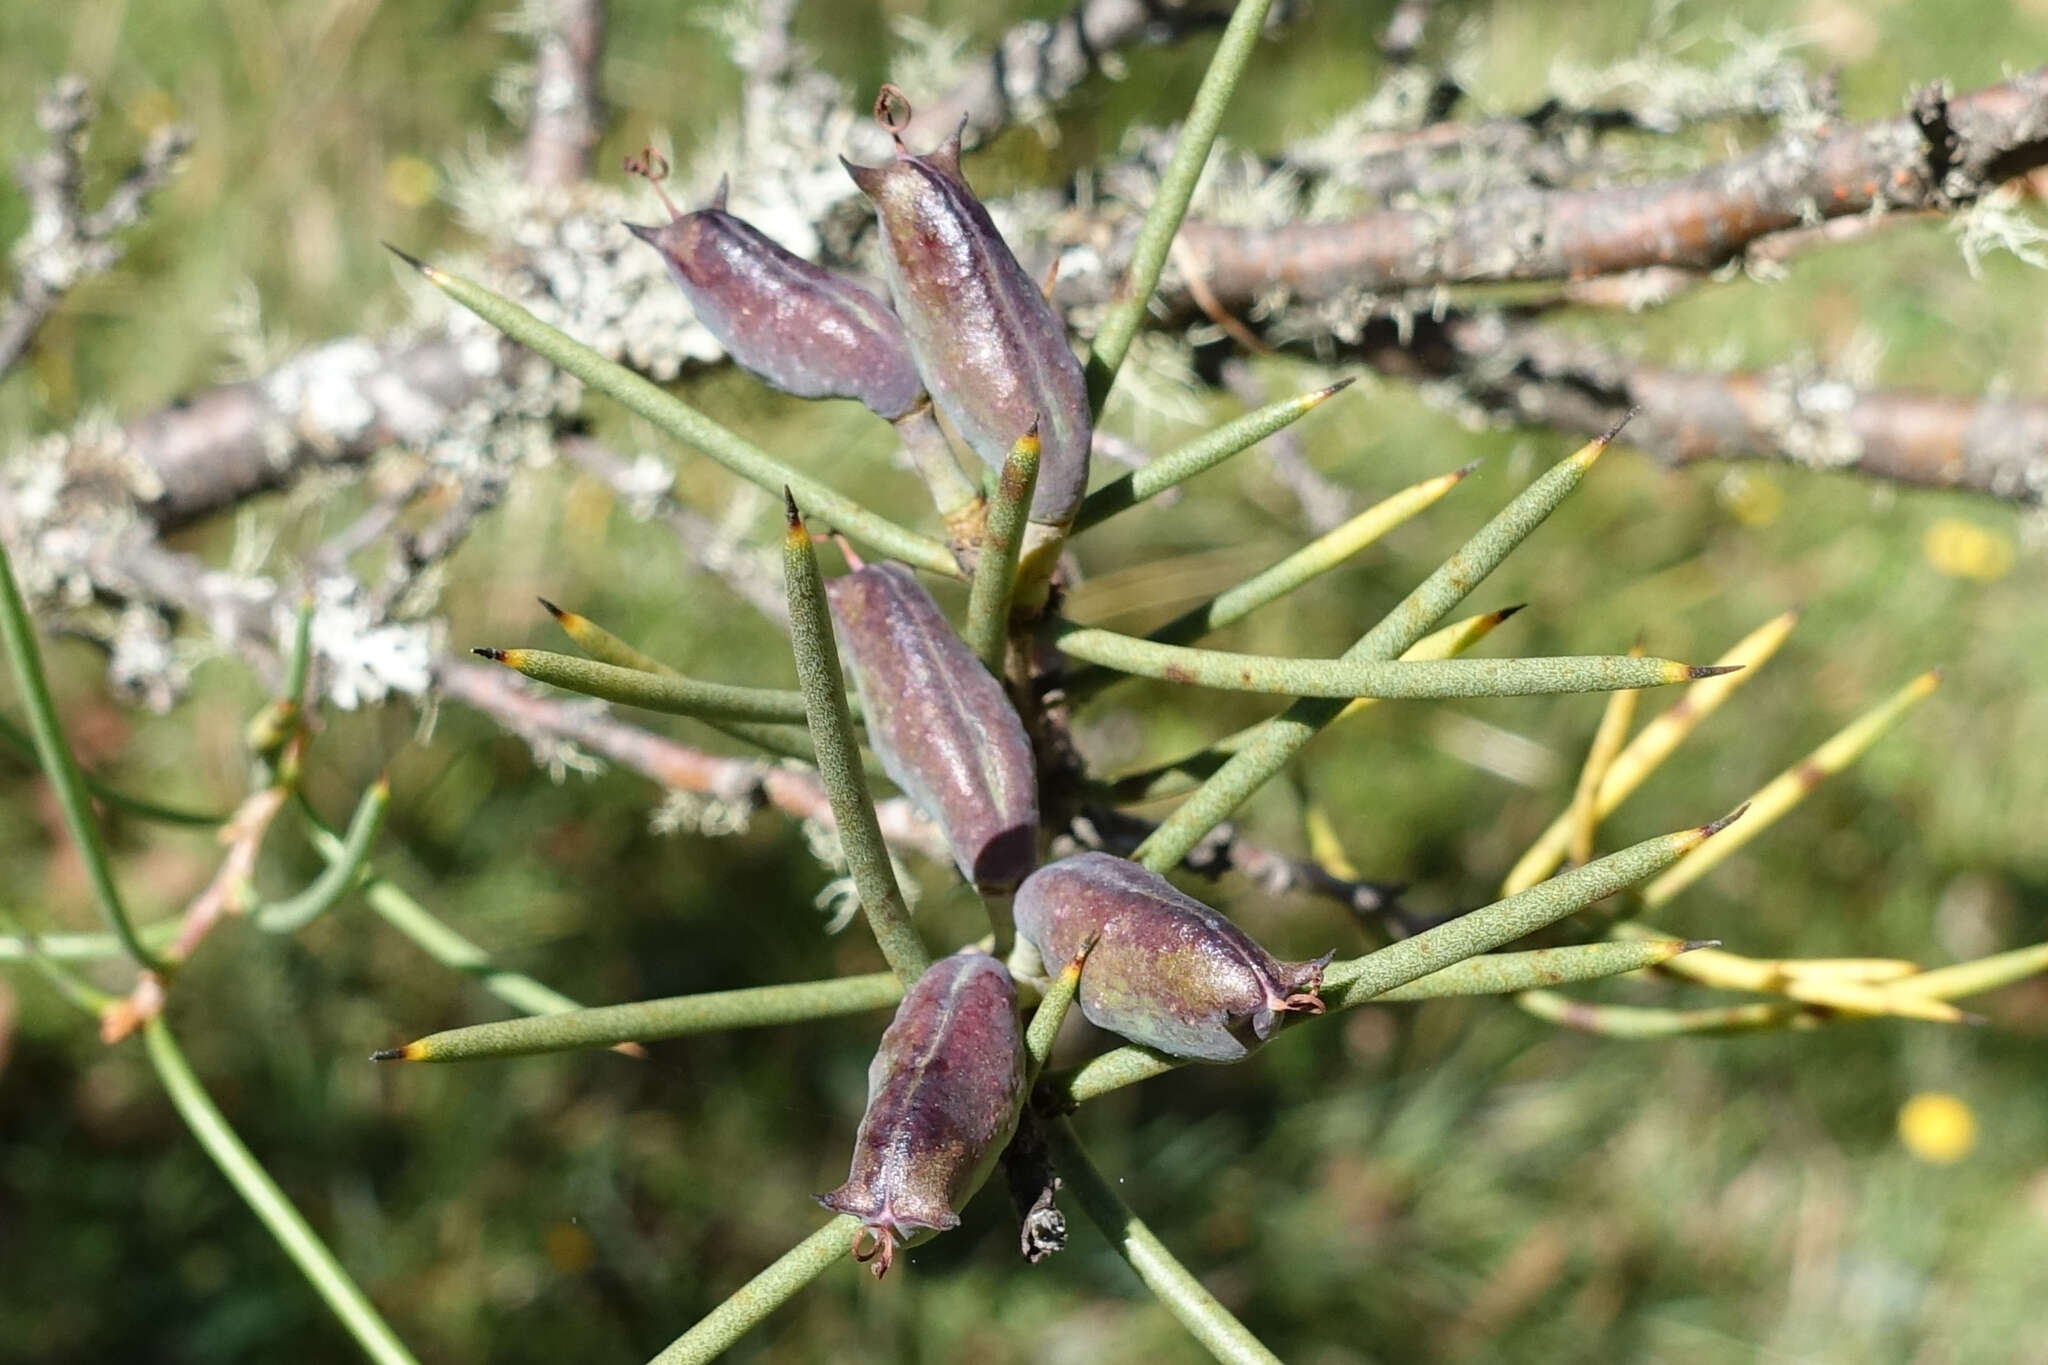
column 1168, row 971
column 944, row 1092
column 940, row 722
column 798, row 326
column 992, row 351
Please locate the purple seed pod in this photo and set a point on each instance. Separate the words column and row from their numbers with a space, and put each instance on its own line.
column 992, row 351
column 940, row 722
column 797, row 326
column 1168, row 971
column 944, row 1092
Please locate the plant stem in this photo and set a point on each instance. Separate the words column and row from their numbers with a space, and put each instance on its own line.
column 16, row 738
column 1170, row 201
column 340, row 876
column 254, row 1184
column 19, row 637
column 715, row 1333
column 846, row 786
column 987, row 632
column 1175, row 1285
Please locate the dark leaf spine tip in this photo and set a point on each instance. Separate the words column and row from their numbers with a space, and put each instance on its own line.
column 415, row 262
column 389, row 1054
column 794, row 518
column 1505, row 612
column 1709, row 831
column 551, row 608
column 1332, row 390
column 1465, row 470
column 1692, row 945
column 496, row 656
column 1608, row 436
column 1712, row 670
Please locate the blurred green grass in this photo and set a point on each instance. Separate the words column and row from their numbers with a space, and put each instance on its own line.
column 1451, row 1182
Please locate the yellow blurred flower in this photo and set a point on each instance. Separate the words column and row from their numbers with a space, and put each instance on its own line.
column 410, row 181
column 151, row 110
column 569, row 1248
column 1938, row 1128
column 1963, row 549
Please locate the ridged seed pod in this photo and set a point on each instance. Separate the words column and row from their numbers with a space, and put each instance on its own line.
column 1167, row 971
column 940, row 722
column 797, row 326
column 944, row 1092
column 992, row 351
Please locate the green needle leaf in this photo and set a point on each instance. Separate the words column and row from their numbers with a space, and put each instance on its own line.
column 648, row 1021
column 1508, row 973
column 666, row 691
column 762, row 1295
column 1203, row 453
column 1279, row 739
column 1176, row 1286
column 860, row 835
column 1052, row 1012
column 1170, row 201
column 1346, row 678
column 1357, row 980
column 685, row 423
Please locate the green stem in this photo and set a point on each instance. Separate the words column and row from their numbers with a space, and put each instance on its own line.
column 648, row 1021
column 1203, row 453
column 1279, row 739
column 839, row 768
column 677, row 418
column 60, row 767
column 600, row 644
column 1389, row 679
column 340, row 876
column 437, row 940
column 995, row 573
column 16, row 738
column 1052, row 1012
column 1175, row 1285
column 1170, row 201
column 62, row 979
column 762, row 1295
column 254, row 1184
column 67, row 947
column 1511, row 973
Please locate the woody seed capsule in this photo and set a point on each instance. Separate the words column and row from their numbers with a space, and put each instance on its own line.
column 1167, row 971
column 940, row 722
column 797, row 326
column 992, row 351
column 944, row 1092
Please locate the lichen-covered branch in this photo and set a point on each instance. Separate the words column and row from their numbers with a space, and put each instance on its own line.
column 568, row 109
column 64, row 242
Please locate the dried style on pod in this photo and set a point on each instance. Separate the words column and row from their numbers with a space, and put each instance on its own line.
column 797, row 326
column 944, row 1092
column 992, row 351
column 1167, row 971
column 940, row 722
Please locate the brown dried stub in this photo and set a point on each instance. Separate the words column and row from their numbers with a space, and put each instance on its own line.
column 940, row 722
column 1167, row 971
column 944, row 1092
column 797, row 326
column 992, row 351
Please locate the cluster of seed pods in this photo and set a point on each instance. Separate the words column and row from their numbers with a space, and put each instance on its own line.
column 944, row 1093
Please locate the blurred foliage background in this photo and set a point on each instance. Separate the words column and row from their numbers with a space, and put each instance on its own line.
column 1452, row 1181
